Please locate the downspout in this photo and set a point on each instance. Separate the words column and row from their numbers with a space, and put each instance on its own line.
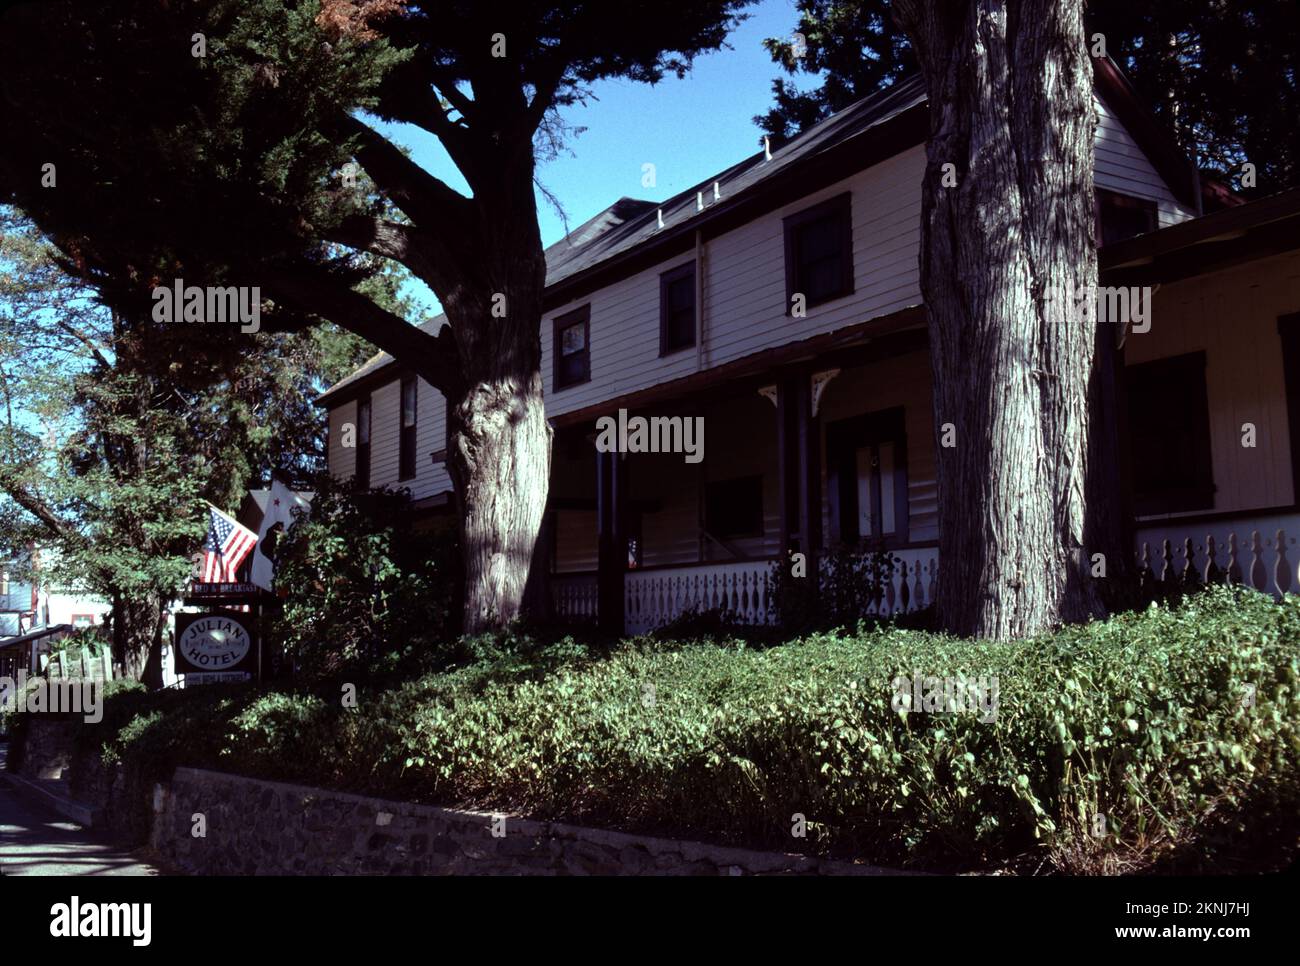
column 699, row 299
column 699, row 367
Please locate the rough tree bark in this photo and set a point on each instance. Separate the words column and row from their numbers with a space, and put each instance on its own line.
column 498, row 439
column 138, row 621
column 1017, row 373
column 499, row 452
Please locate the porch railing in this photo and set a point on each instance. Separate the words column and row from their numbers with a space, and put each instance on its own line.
column 653, row 598
column 574, row 597
column 1257, row 551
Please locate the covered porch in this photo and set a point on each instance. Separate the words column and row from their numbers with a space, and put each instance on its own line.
column 830, row 450
column 829, row 443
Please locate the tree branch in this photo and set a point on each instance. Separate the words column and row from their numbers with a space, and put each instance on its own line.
column 401, row 243
column 319, row 293
column 85, row 340
column 427, row 200
column 22, row 495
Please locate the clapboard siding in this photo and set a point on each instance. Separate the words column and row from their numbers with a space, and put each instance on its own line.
column 1120, row 165
column 575, row 541
column 342, row 459
column 671, row 533
column 384, row 434
column 430, row 437
column 1232, row 316
column 744, row 290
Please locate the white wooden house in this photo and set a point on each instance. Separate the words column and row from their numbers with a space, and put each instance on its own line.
column 819, row 429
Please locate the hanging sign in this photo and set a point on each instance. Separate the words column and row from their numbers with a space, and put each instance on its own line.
column 218, row 645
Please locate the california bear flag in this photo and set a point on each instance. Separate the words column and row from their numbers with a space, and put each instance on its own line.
column 277, row 519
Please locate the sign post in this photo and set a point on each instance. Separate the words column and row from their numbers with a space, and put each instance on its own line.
column 221, row 644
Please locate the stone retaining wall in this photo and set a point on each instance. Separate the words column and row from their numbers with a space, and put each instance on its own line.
column 255, row 827
column 269, row 828
column 45, row 744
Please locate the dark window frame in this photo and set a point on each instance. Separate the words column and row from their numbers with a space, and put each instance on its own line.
column 839, row 207
column 844, row 438
column 1146, row 205
column 759, row 529
column 361, row 471
column 1288, row 329
column 1179, row 385
column 579, row 315
column 406, row 434
column 666, row 281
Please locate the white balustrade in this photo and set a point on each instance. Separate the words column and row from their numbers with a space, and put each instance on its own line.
column 574, row 597
column 911, row 583
column 1259, row 553
column 653, row 598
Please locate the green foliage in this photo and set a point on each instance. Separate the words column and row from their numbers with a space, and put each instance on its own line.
column 1181, row 727
column 850, row 586
column 116, row 429
column 1176, row 55
column 852, row 47
column 366, row 589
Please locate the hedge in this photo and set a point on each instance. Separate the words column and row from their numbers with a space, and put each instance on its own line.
column 1150, row 740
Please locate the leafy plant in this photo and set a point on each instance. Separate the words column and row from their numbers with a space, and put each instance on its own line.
column 365, row 589
column 847, row 585
column 1165, row 736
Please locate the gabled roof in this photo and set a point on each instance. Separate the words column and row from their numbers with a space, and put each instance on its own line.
column 628, row 224
column 629, row 233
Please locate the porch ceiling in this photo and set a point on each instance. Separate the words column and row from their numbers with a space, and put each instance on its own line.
column 892, row 335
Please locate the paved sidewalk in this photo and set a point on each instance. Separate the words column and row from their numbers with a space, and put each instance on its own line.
column 36, row 840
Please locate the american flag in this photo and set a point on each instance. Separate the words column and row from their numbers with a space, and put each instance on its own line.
column 227, row 545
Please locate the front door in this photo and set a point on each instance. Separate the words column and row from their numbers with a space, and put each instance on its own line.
column 866, row 462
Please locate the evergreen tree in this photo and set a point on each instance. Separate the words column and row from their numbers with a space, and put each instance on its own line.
column 1223, row 78
column 117, row 430
column 212, row 138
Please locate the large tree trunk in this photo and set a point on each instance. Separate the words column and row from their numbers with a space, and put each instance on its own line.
column 137, row 637
column 499, row 455
column 498, row 439
column 1004, row 253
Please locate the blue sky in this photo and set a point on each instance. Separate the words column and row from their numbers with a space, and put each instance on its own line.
column 689, row 129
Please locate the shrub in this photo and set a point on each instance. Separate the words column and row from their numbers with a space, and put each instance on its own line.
column 364, row 588
column 850, row 583
column 1116, row 745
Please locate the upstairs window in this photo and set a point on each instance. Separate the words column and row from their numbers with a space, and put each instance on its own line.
column 363, row 444
column 819, row 253
column 573, row 348
column 677, row 309
column 1169, row 432
column 1121, row 216
column 406, row 450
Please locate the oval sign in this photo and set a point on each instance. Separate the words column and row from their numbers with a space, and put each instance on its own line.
column 215, row 643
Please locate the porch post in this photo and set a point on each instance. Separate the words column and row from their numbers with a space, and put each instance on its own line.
column 611, row 561
column 799, row 470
